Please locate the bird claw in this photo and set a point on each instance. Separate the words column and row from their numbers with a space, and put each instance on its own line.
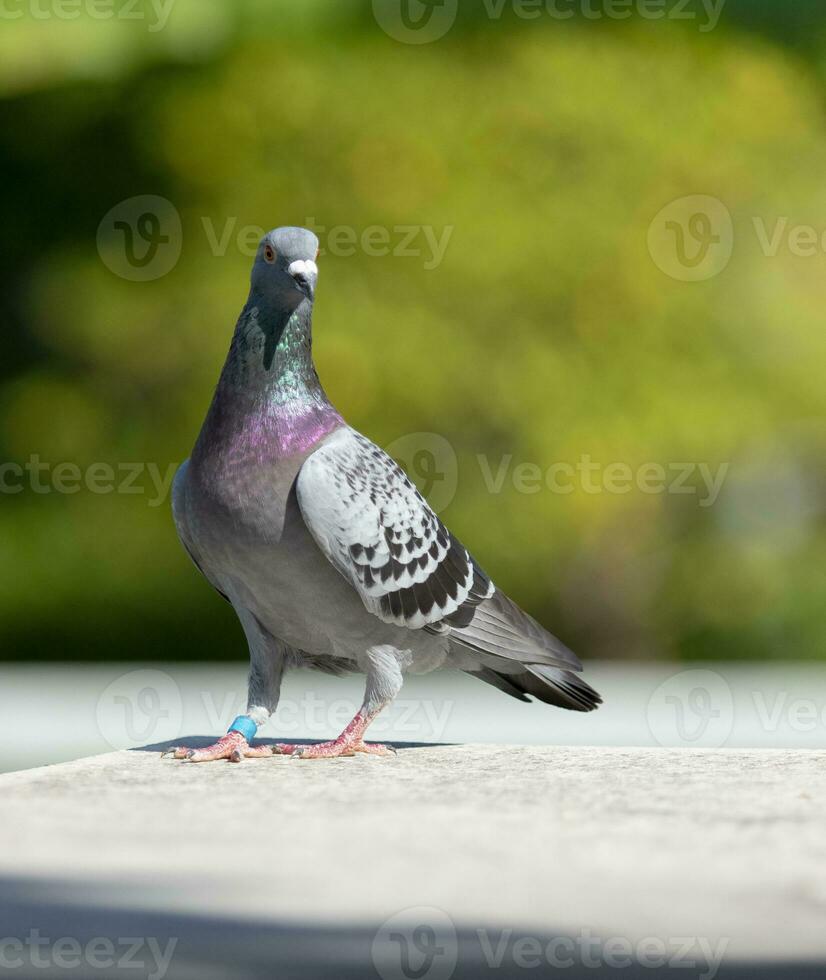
column 178, row 752
column 375, row 748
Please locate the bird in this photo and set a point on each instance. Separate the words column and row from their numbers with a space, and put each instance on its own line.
column 328, row 553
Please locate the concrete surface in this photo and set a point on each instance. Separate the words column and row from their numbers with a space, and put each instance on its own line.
column 704, row 862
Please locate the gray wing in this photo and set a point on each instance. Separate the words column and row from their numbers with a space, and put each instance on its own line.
column 375, row 527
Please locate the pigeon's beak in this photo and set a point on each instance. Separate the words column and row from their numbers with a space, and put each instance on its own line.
column 305, row 273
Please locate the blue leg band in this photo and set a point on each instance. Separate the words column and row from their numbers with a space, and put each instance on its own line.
column 245, row 725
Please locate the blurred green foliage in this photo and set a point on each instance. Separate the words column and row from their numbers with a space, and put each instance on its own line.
column 546, row 333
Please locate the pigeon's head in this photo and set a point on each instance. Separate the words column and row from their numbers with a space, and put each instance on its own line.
column 284, row 272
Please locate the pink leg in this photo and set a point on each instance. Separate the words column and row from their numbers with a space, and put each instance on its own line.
column 350, row 742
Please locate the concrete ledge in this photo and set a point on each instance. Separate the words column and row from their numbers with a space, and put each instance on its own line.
column 723, row 846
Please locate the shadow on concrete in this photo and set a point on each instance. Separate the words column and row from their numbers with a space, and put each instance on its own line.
column 201, row 741
column 69, row 929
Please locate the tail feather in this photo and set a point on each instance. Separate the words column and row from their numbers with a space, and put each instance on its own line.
column 499, row 627
column 562, row 688
column 533, row 661
column 501, row 681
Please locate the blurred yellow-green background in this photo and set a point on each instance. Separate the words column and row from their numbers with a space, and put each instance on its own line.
column 551, row 244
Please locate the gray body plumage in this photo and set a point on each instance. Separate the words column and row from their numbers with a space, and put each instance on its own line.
column 327, row 552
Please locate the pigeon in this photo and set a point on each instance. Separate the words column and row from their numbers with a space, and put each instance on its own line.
column 328, row 553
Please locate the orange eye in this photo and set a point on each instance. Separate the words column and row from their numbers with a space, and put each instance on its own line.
column 269, row 254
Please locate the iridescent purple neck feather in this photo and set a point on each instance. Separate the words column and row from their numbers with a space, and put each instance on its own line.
column 269, row 403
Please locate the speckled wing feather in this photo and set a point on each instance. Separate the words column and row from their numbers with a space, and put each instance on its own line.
column 376, row 528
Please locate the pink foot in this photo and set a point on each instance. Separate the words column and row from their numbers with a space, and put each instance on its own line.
column 350, row 742
column 336, row 749
column 232, row 746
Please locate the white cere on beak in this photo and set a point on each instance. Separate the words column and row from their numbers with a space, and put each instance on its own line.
column 303, row 267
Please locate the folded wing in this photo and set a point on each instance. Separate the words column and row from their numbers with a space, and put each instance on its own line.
column 376, row 528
